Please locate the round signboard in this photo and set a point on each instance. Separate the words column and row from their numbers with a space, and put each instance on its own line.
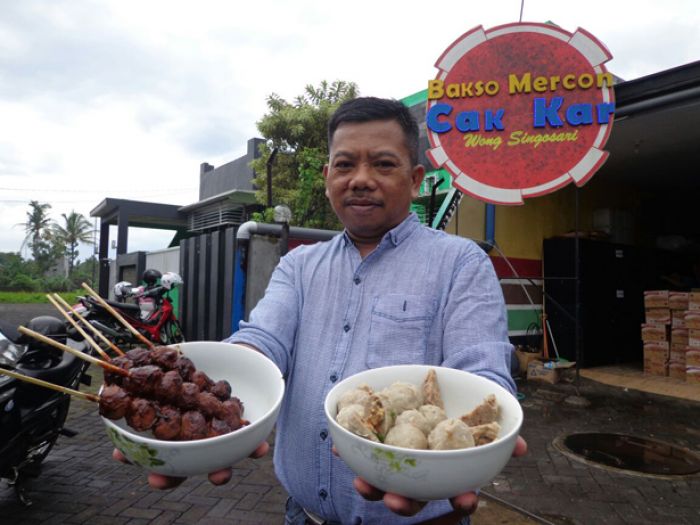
column 520, row 110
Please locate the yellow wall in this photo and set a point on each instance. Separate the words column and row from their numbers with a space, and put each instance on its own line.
column 469, row 219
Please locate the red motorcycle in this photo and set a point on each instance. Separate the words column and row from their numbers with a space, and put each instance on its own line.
column 151, row 313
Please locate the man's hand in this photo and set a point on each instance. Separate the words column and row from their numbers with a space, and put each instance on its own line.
column 463, row 504
column 220, row 477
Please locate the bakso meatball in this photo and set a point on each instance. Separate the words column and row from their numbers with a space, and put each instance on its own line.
column 433, row 414
column 221, row 389
column 356, row 396
column 185, row 366
column 352, row 417
column 194, row 426
column 450, row 434
column 401, row 396
column 142, row 380
column 202, row 380
column 139, row 356
column 165, row 357
column 114, row 378
column 486, row 433
column 114, row 402
column 415, row 418
column 169, row 387
column 217, row 428
column 189, row 393
column 141, row 414
column 168, row 424
column 230, row 412
column 407, row 436
column 208, row 404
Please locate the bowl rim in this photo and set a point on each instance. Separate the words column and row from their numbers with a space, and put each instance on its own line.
column 430, row 453
column 196, row 442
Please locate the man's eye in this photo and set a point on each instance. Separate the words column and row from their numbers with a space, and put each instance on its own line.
column 385, row 164
column 342, row 164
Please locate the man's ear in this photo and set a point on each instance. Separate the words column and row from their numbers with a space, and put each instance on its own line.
column 325, row 176
column 417, row 175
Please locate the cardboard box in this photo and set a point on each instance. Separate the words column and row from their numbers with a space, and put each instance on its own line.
column 676, row 371
column 551, row 372
column 656, row 299
column 678, row 318
column 692, row 319
column 692, row 375
column 657, row 316
column 679, row 336
column 524, row 358
column 694, row 337
column 678, row 300
column 694, row 300
column 677, row 355
column 692, row 357
column 656, row 332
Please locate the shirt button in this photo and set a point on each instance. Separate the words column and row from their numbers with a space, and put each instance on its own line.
column 324, row 435
column 334, row 377
column 346, row 327
column 357, row 280
column 358, row 521
column 322, row 494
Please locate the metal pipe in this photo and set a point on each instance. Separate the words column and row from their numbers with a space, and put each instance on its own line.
column 249, row 228
column 270, row 161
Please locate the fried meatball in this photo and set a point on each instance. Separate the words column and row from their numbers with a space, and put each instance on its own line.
column 218, row 428
column 169, row 423
column 169, row 387
column 194, row 426
column 208, row 404
column 188, row 396
column 165, row 357
column 114, row 402
column 139, row 356
column 113, row 378
column 230, row 411
column 186, row 368
column 202, row 380
column 141, row 414
column 142, row 380
column 221, row 389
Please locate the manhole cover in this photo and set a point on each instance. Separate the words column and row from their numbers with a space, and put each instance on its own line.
column 630, row 453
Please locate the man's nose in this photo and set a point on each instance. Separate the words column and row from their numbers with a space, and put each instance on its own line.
column 363, row 177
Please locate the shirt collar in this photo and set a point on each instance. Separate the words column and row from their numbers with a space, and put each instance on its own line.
column 396, row 235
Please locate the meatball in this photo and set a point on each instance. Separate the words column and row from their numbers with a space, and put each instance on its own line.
column 221, row 389
column 202, row 380
column 141, row 414
column 188, row 396
column 139, row 356
column 208, row 404
column 194, row 426
column 218, row 428
column 113, row 378
column 114, row 402
column 168, row 424
column 230, row 411
column 186, row 368
column 143, row 380
column 169, row 387
column 165, row 357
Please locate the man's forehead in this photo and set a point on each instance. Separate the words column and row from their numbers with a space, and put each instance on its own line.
column 384, row 134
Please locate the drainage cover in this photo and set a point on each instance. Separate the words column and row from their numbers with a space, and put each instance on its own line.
column 630, row 453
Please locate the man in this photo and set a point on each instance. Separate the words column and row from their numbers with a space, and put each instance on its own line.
column 387, row 291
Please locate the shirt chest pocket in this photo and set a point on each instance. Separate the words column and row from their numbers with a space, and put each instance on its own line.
column 399, row 329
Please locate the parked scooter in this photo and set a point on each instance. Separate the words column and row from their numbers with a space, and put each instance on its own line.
column 31, row 417
column 150, row 312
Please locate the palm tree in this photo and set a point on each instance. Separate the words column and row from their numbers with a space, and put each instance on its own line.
column 36, row 227
column 77, row 229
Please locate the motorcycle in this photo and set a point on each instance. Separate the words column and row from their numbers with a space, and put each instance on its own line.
column 31, row 417
column 151, row 313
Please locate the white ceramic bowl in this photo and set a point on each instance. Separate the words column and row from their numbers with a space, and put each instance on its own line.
column 254, row 379
column 427, row 474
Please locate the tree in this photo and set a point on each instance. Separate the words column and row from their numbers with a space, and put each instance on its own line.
column 77, row 229
column 38, row 234
column 298, row 131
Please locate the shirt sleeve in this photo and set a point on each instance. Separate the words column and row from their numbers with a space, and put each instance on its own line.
column 475, row 335
column 273, row 322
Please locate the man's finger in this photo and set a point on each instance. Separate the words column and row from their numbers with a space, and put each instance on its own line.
column 465, row 503
column 117, row 454
column 520, row 447
column 263, row 448
column 366, row 490
column 158, row 481
column 401, row 505
column 220, row 477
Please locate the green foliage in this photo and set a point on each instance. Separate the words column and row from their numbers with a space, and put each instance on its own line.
column 76, row 229
column 298, row 130
column 37, row 297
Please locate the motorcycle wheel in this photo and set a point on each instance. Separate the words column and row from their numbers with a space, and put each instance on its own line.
column 171, row 333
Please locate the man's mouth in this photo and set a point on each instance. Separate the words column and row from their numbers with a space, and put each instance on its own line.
column 362, row 203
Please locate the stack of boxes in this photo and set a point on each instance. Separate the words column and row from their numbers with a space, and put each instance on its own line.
column 692, row 351
column 671, row 334
column 656, row 332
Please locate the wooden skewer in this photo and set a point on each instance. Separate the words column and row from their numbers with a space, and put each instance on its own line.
column 77, row 353
column 40, row 382
column 77, row 327
column 95, row 331
column 118, row 316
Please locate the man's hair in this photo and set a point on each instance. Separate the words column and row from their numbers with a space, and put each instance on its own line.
column 368, row 109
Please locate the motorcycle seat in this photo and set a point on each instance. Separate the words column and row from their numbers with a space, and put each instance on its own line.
column 59, row 374
column 128, row 307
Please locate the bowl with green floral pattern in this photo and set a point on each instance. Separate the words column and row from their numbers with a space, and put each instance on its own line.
column 188, row 443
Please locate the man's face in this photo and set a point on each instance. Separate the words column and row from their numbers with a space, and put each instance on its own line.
column 370, row 181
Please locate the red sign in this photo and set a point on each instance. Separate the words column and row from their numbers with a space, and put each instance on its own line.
column 520, row 110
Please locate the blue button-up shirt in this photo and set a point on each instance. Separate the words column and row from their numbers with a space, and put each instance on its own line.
column 422, row 296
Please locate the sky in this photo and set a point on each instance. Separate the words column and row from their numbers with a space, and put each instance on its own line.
column 125, row 99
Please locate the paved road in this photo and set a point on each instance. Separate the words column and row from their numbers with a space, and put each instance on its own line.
column 81, row 484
